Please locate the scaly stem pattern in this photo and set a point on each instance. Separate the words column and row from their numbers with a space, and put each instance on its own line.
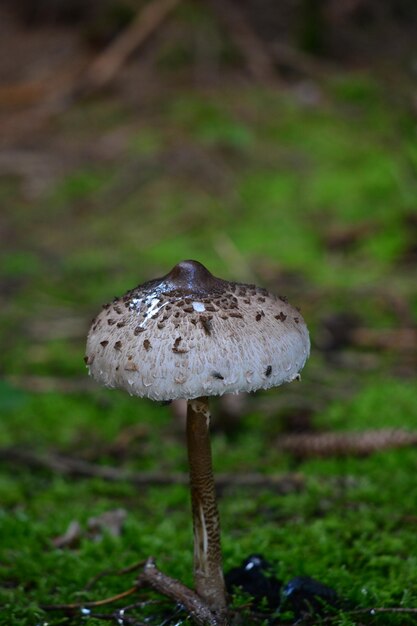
column 208, row 568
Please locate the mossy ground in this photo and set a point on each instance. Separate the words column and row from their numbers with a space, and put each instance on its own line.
column 312, row 198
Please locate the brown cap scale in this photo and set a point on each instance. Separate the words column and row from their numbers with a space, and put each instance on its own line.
column 190, row 334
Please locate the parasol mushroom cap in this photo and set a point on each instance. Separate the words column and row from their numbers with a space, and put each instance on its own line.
column 190, row 334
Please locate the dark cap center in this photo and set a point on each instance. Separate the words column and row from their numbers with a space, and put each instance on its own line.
column 191, row 277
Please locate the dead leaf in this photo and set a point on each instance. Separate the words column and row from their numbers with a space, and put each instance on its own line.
column 109, row 521
column 71, row 537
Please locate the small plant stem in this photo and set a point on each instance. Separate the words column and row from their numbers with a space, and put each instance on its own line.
column 78, row 605
column 208, row 569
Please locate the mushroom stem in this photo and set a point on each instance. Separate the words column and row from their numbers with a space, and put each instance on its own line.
column 208, row 570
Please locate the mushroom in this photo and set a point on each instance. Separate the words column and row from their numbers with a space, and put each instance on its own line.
column 191, row 335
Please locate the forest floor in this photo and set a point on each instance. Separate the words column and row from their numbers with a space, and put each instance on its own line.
column 308, row 190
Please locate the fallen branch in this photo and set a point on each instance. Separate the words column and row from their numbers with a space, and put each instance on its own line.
column 68, row 466
column 346, row 444
column 397, row 339
column 110, row 572
column 259, row 60
column 175, row 590
column 152, row 577
column 107, row 64
column 47, row 384
column 301, row 62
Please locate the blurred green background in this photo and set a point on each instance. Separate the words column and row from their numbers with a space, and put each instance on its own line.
column 276, row 145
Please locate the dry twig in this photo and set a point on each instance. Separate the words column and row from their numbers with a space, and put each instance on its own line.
column 152, row 577
column 174, row 589
column 107, row 64
column 259, row 60
column 75, row 467
column 344, row 444
column 397, row 339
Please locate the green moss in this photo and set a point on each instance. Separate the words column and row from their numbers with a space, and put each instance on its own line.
column 256, row 186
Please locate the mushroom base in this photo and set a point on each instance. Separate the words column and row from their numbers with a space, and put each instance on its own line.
column 208, row 568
